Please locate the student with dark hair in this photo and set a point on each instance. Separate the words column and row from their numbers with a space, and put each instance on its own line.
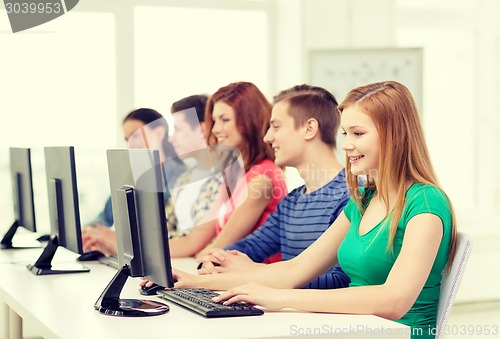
column 197, row 188
column 142, row 128
column 237, row 117
column 302, row 133
column 197, row 103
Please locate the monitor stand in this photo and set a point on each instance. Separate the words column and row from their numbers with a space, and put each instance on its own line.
column 43, row 266
column 109, row 303
column 6, row 242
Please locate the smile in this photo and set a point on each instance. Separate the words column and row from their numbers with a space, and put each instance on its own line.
column 354, row 159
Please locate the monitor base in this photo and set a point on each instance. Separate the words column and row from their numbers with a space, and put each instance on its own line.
column 63, row 269
column 7, row 241
column 21, row 246
column 134, row 308
column 109, row 302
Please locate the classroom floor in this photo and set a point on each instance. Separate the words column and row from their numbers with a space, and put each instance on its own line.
column 474, row 320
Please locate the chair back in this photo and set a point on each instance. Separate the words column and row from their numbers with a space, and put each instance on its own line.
column 451, row 281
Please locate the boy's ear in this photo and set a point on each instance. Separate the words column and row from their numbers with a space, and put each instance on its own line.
column 311, row 128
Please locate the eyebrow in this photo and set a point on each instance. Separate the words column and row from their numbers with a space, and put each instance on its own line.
column 352, row 127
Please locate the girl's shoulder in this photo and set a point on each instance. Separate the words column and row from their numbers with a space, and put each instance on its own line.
column 426, row 198
column 266, row 167
column 430, row 193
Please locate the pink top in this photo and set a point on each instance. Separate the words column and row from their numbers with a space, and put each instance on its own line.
column 279, row 191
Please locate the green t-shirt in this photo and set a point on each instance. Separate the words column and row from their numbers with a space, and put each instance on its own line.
column 367, row 260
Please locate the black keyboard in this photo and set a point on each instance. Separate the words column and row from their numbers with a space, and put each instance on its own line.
column 199, row 300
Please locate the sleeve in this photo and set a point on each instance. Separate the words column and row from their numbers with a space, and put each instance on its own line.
column 105, row 218
column 429, row 199
column 349, row 208
column 333, row 278
column 263, row 242
column 171, row 217
column 206, row 198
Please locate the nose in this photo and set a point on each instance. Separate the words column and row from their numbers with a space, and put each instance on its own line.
column 268, row 137
column 216, row 127
column 347, row 145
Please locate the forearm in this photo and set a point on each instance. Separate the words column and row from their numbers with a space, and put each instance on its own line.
column 182, row 247
column 191, row 244
column 241, row 223
column 263, row 242
column 247, row 214
column 269, row 275
column 377, row 300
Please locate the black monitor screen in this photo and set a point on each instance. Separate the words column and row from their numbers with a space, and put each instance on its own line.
column 135, row 178
column 63, row 197
column 22, row 187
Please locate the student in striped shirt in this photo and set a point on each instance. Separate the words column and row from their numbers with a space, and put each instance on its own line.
column 302, row 133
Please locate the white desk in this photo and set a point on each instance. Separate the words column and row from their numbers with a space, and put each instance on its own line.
column 62, row 307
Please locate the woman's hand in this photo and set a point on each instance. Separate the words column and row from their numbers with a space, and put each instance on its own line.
column 182, row 280
column 185, row 280
column 222, row 261
column 99, row 238
column 145, row 282
column 255, row 294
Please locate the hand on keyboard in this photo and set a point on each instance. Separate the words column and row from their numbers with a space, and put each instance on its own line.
column 256, row 294
column 183, row 279
column 200, row 301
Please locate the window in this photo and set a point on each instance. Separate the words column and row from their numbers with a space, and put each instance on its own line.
column 58, row 88
column 185, row 51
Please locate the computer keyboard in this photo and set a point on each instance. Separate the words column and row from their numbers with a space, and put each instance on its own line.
column 199, row 300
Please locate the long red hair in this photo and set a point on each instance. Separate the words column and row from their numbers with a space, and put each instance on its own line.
column 252, row 115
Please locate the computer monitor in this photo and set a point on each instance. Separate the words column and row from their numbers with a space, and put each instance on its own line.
column 135, row 178
column 22, row 194
column 63, row 211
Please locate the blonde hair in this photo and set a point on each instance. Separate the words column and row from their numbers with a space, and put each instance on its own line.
column 404, row 157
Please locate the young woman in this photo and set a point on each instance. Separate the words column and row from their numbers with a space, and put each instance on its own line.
column 394, row 238
column 237, row 117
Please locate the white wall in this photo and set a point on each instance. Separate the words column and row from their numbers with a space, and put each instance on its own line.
column 461, row 84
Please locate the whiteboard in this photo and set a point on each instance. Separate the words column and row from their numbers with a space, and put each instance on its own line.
column 341, row 70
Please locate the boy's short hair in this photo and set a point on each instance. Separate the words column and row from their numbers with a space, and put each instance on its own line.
column 198, row 102
column 305, row 102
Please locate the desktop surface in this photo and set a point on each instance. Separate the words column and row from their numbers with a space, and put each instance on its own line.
column 62, row 307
